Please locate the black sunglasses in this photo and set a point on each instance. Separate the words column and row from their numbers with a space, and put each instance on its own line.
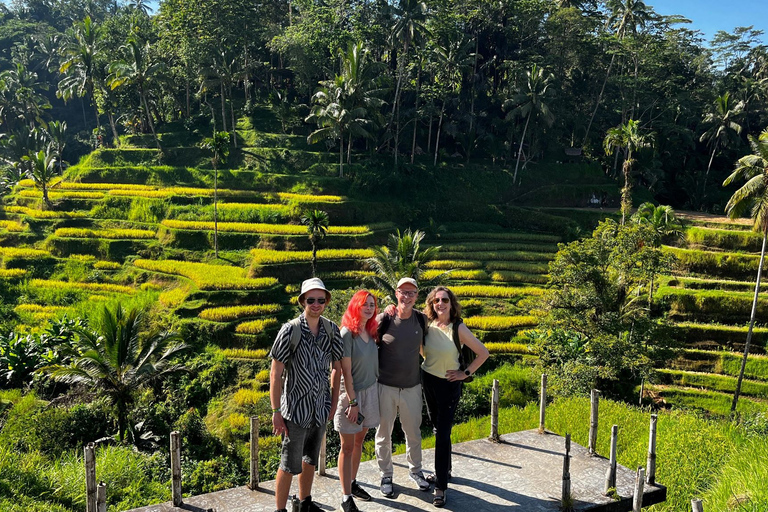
column 438, row 300
column 312, row 300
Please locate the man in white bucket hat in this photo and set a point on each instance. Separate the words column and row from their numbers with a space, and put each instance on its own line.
column 305, row 350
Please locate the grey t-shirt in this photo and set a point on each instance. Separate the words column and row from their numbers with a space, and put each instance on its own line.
column 399, row 352
column 365, row 359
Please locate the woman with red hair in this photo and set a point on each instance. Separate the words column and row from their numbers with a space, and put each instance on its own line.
column 358, row 407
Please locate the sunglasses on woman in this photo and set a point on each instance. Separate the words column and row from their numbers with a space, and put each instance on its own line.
column 438, row 300
column 312, row 300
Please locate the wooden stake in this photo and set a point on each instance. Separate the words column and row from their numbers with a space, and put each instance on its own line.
column 637, row 499
column 610, row 475
column 566, row 491
column 697, row 505
column 651, row 477
column 176, row 469
column 101, row 497
column 254, row 483
column 495, row 412
column 90, row 478
column 595, row 400
column 543, row 402
column 321, row 458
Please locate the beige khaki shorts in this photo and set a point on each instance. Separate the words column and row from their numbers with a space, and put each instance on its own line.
column 368, row 405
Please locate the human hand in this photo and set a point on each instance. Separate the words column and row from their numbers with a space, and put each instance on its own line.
column 454, row 375
column 278, row 424
column 390, row 310
column 351, row 413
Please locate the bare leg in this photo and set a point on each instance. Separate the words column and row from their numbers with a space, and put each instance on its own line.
column 305, row 480
column 282, row 488
column 347, row 462
column 357, row 454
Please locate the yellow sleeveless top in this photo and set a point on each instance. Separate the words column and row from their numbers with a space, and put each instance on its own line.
column 440, row 354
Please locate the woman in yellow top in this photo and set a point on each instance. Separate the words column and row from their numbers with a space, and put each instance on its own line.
column 442, row 377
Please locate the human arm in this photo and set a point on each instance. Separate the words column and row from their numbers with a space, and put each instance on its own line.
column 336, row 371
column 475, row 345
column 349, row 386
column 275, row 393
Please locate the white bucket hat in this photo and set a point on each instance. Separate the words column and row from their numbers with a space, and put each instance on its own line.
column 313, row 284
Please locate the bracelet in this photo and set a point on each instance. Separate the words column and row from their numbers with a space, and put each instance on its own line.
column 275, row 410
column 353, row 402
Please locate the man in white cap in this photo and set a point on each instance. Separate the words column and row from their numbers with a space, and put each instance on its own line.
column 302, row 356
column 401, row 336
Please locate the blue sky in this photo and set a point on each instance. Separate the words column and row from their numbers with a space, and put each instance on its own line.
column 709, row 16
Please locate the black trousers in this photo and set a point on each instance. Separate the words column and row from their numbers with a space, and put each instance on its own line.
column 442, row 399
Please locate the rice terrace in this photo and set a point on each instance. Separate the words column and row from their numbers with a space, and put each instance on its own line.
column 588, row 179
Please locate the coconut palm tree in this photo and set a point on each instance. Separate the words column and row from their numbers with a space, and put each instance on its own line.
column 56, row 134
column 140, row 70
column 81, row 50
column 529, row 102
column 752, row 197
column 723, row 128
column 626, row 136
column 661, row 218
column 116, row 359
column 219, row 146
column 452, row 58
column 317, row 226
column 403, row 256
column 42, row 170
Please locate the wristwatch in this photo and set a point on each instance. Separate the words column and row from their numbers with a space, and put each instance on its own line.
column 467, row 373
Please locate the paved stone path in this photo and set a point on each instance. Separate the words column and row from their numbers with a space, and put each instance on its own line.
column 523, row 473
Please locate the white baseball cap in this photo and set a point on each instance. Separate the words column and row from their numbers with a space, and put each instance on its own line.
column 407, row 280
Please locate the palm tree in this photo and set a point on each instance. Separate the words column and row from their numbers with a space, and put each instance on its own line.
column 219, row 146
column 626, row 136
column 56, row 133
column 81, row 50
column 452, row 58
column 752, row 197
column 140, row 70
column 403, row 256
column 317, row 226
column 115, row 359
column 723, row 129
column 42, row 170
column 530, row 103
column 661, row 218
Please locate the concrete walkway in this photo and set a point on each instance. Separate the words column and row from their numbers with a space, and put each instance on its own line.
column 522, row 473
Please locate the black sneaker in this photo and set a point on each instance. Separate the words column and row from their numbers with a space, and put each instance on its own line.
column 349, row 506
column 387, row 489
column 359, row 492
column 307, row 505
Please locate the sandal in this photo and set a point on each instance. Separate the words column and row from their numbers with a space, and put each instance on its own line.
column 439, row 501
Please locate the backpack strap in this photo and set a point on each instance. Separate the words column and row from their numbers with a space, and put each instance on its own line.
column 457, row 341
column 295, row 339
column 423, row 323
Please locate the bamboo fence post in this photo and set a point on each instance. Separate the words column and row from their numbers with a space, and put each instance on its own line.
column 594, row 402
column 321, row 458
column 90, row 478
column 254, row 482
column 176, row 468
column 101, row 497
column 495, row 412
column 543, row 402
column 610, row 475
column 565, row 498
column 637, row 498
column 651, row 477
column 697, row 505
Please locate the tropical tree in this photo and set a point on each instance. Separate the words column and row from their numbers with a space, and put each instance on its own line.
column 218, row 145
column 140, row 70
column 662, row 219
column 116, row 359
column 317, row 226
column 403, row 256
column 626, row 136
column 42, row 170
column 529, row 102
column 751, row 198
column 723, row 128
column 56, row 133
column 452, row 58
column 81, row 49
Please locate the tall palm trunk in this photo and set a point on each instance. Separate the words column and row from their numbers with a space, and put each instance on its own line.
column 341, row 157
column 706, row 174
column 223, row 108
column 216, row 209
column 472, row 101
column 751, row 326
column 114, row 128
column 599, row 99
column 149, row 119
column 232, row 114
column 416, row 115
column 626, row 198
column 520, row 149
column 314, row 256
column 439, row 127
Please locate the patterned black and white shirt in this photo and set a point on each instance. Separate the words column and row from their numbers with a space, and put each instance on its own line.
column 306, row 397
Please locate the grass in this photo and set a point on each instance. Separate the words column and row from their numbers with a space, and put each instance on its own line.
column 242, row 353
column 269, row 256
column 309, row 198
column 63, row 195
column 712, row 402
column 519, row 266
column 506, row 276
column 244, row 397
column 723, row 264
column 496, row 246
column 89, row 287
column 712, row 382
column 729, row 363
column 273, row 229
column 453, row 264
column 256, row 326
column 44, row 214
column 495, row 291
column 11, row 226
column 23, row 253
column 465, row 275
column 107, row 265
column 229, row 313
column 174, row 297
column 732, row 240
column 530, row 237
column 112, row 234
column 507, row 348
column 497, row 255
column 206, row 276
column 500, row 323
column 12, row 273
column 697, row 283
